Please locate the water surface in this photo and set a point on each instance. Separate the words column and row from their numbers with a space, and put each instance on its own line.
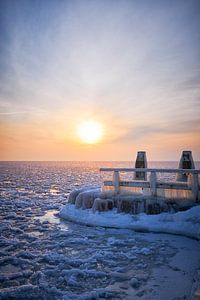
column 44, row 257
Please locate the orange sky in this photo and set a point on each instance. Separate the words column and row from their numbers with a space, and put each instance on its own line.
column 131, row 66
column 52, row 139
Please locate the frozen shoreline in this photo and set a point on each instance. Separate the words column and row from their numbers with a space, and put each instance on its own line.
column 181, row 271
column 185, row 223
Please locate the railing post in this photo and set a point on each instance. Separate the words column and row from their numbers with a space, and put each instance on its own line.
column 116, row 181
column 152, row 180
column 195, row 187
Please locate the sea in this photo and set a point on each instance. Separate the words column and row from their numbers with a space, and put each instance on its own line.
column 45, row 257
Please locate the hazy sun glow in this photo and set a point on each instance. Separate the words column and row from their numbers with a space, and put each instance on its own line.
column 90, row 132
column 67, row 95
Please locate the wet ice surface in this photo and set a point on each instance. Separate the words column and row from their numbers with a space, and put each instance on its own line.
column 43, row 257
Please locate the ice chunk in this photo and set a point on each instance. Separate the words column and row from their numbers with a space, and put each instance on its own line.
column 135, row 283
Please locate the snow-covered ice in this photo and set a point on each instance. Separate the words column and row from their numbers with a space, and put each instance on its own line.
column 184, row 223
column 45, row 257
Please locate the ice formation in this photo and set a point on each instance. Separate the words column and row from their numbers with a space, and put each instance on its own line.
column 92, row 207
column 43, row 256
column 184, row 223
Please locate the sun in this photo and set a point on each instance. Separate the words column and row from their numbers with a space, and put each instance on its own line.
column 90, row 132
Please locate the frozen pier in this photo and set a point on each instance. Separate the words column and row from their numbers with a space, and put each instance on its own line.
column 142, row 189
column 154, row 187
column 147, row 182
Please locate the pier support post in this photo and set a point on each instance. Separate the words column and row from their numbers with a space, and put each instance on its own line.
column 141, row 162
column 186, row 162
column 116, row 180
column 152, row 180
column 195, row 187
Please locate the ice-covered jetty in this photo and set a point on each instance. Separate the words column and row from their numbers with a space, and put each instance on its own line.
column 140, row 190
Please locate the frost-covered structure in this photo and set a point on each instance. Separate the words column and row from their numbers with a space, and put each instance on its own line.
column 147, row 192
column 186, row 162
column 128, row 203
column 141, row 162
column 141, row 199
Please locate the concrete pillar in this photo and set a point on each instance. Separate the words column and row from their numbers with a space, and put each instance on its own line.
column 186, row 162
column 141, row 162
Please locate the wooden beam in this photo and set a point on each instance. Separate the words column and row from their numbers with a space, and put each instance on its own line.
column 173, row 185
column 192, row 171
column 146, row 184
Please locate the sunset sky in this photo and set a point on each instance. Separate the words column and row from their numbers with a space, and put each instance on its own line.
column 130, row 68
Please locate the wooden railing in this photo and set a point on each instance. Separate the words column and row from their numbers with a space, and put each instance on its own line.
column 153, row 184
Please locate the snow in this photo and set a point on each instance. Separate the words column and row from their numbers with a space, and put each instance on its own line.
column 185, row 223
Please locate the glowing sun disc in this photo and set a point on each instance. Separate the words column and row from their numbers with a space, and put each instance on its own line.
column 90, row 132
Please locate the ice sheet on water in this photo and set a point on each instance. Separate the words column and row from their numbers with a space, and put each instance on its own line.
column 44, row 257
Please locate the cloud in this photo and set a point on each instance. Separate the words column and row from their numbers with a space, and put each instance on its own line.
column 138, row 133
column 135, row 61
column 13, row 113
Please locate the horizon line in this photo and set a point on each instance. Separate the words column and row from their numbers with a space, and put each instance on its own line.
column 88, row 160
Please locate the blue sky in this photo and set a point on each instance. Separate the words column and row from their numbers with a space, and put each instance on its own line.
column 132, row 65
